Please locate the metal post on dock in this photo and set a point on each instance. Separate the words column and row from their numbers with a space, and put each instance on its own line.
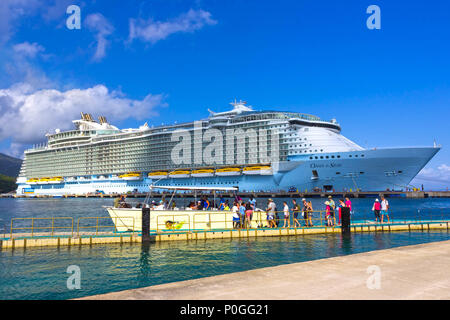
column 145, row 224
column 345, row 220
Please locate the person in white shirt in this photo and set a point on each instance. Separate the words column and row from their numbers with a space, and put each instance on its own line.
column 384, row 208
column 236, row 218
column 286, row 215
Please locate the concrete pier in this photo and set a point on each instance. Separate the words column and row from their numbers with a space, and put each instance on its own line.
column 411, row 272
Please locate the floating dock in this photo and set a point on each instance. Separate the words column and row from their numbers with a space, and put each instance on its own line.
column 25, row 240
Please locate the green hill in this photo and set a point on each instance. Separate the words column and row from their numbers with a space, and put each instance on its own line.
column 9, row 166
column 7, row 184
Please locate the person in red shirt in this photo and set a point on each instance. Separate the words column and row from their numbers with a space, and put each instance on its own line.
column 376, row 209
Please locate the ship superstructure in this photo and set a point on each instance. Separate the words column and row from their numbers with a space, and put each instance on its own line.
column 254, row 150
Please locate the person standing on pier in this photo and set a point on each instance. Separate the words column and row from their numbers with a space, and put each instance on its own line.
column 241, row 214
column 287, row 222
column 271, row 209
column 236, row 218
column 348, row 204
column 341, row 205
column 295, row 211
column 376, row 209
column 305, row 211
column 328, row 213
column 248, row 214
column 384, row 209
column 332, row 204
column 310, row 213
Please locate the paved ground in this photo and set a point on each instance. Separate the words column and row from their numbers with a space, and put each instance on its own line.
column 411, row 272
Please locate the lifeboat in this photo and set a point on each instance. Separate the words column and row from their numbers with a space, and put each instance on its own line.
column 158, row 175
column 203, row 173
column 130, row 176
column 33, row 181
column 228, row 172
column 257, row 170
column 179, row 174
column 56, row 180
column 45, row 180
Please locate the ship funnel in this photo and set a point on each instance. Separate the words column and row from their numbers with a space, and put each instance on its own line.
column 102, row 120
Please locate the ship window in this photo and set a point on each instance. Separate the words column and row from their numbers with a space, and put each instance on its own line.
column 350, row 156
column 338, row 173
column 338, row 156
column 361, row 172
column 327, row 157
column 310, row 157
column 400, row 171
column 317, row 158
column 332, row 157
column 356, row 155
column 321, row 157
column 362, row 155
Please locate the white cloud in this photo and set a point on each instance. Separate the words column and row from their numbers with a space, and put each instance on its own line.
column 97, row 23
column 26, row 114
column 434, row 177
column 28, row 50
column 11, row 11
column 153, row 31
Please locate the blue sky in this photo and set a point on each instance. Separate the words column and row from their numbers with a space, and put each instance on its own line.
column 166, row 60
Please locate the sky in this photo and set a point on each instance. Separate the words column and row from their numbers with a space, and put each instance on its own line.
column 161, row 61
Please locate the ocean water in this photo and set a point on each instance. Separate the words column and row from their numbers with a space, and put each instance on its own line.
column 401, row 208
column 41, row 273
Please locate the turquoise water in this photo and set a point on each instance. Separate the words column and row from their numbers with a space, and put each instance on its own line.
column 401, row 208
column 40, row 273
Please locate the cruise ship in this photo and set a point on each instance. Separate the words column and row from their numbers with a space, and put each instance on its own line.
column 245, row 148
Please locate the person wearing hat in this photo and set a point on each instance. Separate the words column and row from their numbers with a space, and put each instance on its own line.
column 329, row 213
column 376, row 209
column 332, row 204
column 271, row 209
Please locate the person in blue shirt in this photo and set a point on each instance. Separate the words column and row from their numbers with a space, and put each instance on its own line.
column 242, row 214
column 222, row 204
column 205, row 203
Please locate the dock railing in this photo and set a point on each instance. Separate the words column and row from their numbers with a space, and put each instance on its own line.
column 102, row 224
column 40, row 224
column 208, row 220
column 418, row 216
column 64, row 226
